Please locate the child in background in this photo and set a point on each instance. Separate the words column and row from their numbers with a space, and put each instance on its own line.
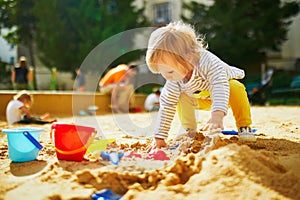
column 123, row 98
column 17, row 110
column 196, row 79
column 115, row 76
column 152, row 101
column 120, row 81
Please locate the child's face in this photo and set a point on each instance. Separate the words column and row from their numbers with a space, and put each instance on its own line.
column 171, row 70
column 26, row 102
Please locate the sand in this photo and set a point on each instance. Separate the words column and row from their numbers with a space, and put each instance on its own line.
column 266, row 169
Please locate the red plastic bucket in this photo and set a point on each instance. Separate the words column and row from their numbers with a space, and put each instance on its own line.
column 71, row 141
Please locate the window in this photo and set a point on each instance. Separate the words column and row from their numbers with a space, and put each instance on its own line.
column 162, row 13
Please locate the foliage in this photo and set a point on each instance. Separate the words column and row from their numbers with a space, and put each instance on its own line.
column 241, row 32
column 66, row 31
column 4, row 72
column 18, row 17
column 6, row 13
column 147, row 89
column 17, row 13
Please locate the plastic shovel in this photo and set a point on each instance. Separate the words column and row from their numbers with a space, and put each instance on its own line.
column 232, row 132
column 99, row 145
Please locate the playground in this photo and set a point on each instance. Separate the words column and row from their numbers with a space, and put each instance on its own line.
column 265, row 169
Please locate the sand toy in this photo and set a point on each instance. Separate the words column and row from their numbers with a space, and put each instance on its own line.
column 72, row 141
column 157, row 154
column 106, row 195
column 233, row 132
column 23, row 143
column 113, row 157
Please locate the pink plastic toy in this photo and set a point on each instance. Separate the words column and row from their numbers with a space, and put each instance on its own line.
column 132, row 154
column 157, row 154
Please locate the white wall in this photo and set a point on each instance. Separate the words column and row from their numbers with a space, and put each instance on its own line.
column 291, row 48
column 8, row 53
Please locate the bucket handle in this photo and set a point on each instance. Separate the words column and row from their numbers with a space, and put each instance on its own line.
column 32, row 140
column 88, row 143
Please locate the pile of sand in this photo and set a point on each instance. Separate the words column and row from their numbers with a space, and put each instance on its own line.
column 267, row 169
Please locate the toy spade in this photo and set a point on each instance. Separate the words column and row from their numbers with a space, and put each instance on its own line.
column 232, row 132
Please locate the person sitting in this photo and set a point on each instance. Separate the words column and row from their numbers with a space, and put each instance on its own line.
column 152, row 100
column 17, row 111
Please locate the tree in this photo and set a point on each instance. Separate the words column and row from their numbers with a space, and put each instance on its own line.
column 68, row 30
column 18, row 16
column 64, row 32
column 6, row 14
column 241, row 32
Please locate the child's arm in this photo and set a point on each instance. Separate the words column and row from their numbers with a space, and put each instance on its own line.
column 26, row 111
column 168, row 102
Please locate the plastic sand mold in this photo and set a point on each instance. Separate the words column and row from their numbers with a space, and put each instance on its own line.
column 157, row 154
column 106, row 195
column 132, row 154
column 113, row 157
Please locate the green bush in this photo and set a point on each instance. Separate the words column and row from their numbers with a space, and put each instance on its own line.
column 4, row 72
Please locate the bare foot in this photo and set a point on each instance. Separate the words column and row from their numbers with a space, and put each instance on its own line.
column 53, row 120
column 45, row 116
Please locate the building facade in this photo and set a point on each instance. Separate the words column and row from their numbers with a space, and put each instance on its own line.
column 8, row 52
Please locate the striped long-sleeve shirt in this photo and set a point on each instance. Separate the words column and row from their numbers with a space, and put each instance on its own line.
column 211, row 74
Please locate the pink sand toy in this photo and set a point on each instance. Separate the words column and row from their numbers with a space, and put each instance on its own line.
column 157, row 154
column 132, row 154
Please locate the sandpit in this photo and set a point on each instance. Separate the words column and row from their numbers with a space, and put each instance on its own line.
column 266, row 169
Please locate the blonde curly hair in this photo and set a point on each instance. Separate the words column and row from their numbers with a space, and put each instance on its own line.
column 177, row 40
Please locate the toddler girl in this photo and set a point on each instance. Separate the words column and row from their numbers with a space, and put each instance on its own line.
column 195, row 79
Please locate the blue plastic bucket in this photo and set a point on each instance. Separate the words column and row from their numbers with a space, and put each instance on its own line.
column 23, row 143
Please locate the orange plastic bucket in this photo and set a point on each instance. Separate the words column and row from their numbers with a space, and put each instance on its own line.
column 71, row 141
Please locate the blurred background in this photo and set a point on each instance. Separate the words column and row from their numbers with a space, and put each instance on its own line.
column 260, row 36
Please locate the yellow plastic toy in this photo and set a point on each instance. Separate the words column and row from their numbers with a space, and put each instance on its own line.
column 99, row 145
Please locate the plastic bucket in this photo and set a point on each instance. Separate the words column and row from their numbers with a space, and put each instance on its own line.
column 23, row 145
column 71, row 141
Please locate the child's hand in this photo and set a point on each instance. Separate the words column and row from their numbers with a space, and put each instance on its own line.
column 215, row 121
column 157, row 143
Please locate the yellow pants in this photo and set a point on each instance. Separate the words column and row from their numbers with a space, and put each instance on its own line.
column 238, row 101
